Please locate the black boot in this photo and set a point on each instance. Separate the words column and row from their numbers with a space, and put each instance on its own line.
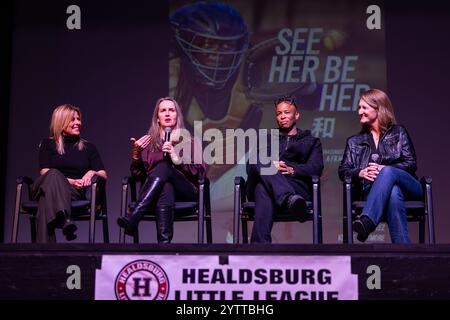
column 148, row 194
column 296, row 205
column 69, row 227
column 363, row 227
column 164, row 224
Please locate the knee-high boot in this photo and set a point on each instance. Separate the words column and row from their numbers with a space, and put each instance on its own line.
column 148, row 195
column 164, row 224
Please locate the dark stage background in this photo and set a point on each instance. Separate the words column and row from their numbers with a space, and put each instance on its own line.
column 116, row 67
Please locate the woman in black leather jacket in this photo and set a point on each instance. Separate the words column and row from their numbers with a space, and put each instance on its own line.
column 382, row 160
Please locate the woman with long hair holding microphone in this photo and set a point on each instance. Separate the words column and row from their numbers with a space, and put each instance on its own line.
column 166, row 178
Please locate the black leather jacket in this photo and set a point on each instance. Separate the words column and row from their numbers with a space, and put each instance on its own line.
column 395, row 147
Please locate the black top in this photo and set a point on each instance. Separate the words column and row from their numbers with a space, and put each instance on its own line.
column 374, row 151
column 303, row 152
column 73, row 163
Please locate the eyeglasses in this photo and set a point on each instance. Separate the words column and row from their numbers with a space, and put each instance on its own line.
column 287, row 99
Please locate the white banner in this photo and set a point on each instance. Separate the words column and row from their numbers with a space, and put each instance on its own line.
column 234, row 277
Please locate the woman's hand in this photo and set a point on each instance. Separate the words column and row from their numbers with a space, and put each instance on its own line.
column 168, row 147
column 284, row 168
column 371, row 171
column 376, row 167
column 367, row 174
column 86, row 180
column 139, row 145
column 76, row 183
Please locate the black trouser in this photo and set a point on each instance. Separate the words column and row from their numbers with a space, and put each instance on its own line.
column 269, row 193
column 54, row 193
column 176, row 185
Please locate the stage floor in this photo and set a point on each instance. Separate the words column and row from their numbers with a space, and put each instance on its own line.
column 32, row 271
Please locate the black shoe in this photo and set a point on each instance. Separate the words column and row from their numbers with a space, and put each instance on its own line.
column 363, row 227
column 296, row 206
column 69, row 229
column 58, row 222
column 71, row 236
column 124, row 223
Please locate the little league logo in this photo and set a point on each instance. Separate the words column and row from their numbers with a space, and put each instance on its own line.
column 142, row 280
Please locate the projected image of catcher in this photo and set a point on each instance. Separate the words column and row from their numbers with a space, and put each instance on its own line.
column 209, row 43
column 300, row 157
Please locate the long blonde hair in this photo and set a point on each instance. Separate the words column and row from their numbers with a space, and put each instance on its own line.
column 61, row 117
column 154, row 130
column 379, row 100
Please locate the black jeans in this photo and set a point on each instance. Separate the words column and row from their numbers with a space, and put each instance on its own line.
column 269, row 192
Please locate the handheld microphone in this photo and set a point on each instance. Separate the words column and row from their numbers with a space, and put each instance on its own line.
column 167, row 133
column 375, row 157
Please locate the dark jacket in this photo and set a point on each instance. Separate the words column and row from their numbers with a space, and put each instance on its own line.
column 395, row 147
column 303, row 152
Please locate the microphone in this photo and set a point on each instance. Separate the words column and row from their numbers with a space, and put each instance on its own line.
column 375, row 157
column 167, row 132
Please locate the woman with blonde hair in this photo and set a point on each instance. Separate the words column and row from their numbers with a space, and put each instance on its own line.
column 67, row 164
column 381, row 160
column 155, row 161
